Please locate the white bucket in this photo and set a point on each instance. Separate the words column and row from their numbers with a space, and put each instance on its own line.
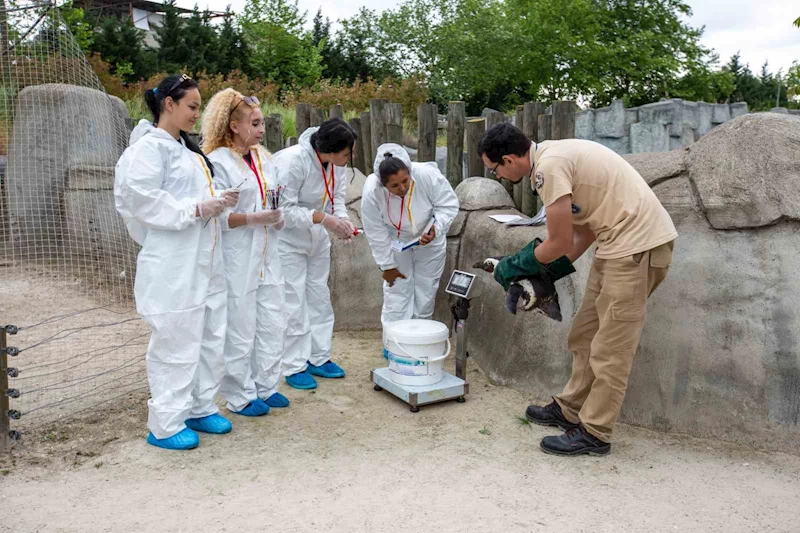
column 417, row 350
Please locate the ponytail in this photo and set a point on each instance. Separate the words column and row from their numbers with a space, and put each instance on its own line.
column 191, row 145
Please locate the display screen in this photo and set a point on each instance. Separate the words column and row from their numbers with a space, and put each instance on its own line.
column 460, row 283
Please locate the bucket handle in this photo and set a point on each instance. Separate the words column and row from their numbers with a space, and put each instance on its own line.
column 406, row 354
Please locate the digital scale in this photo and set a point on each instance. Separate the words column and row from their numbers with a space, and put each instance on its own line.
column 464, row 286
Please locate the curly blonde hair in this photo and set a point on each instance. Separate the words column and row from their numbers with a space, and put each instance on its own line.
column 217, row 118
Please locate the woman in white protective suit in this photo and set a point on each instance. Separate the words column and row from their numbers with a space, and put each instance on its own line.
column 232, row 129
column 401, row 202
column 313, row 203
column 164, row 191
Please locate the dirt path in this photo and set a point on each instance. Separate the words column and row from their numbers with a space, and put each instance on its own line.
column 349, row 459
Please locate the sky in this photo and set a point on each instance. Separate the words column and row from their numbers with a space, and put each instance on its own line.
column 760, row 30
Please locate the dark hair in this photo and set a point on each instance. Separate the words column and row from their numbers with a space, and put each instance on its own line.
column 390, row 166
column 175, row 86
column 503, row 139
column 333, row 136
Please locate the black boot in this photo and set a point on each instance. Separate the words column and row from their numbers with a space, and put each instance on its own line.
column 576, row 441
column 549, row 415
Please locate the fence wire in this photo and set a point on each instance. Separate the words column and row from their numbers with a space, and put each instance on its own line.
column 66, row 262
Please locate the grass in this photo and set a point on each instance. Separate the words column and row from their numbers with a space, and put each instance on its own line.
column 523, row 421
column 484, row 431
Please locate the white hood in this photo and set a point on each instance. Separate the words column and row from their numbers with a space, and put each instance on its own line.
column 396, row 150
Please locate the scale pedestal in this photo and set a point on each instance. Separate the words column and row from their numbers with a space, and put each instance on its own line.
column 450, row 388
column 463, row 285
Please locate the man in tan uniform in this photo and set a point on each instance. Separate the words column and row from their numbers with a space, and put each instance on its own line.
column 590, row 194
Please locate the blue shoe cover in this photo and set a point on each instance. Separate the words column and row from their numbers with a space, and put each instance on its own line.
column 301, row 380
column 255, row 408
column 277, row 400
column 386, row 354
column 327, row 370
column 216, row 424
column 185, row 439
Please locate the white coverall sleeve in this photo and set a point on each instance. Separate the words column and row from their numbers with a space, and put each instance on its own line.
column 222, row 181
column 378, row 234
column 339, row 207
column 291, row 177
column 443, row 198
column 142, row 197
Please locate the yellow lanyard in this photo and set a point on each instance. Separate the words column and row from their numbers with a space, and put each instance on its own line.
column 210, row 190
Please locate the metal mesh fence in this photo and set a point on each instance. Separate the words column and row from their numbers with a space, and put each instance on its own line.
column 66, row 261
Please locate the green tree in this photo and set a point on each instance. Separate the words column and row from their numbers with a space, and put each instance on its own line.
column 81, row 29
column 233, row 53
column 203, row 44
column 280, row 49
column 173, row 49
column 356, row 43
column 121, row 45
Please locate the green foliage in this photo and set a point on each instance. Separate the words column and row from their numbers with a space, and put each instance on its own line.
column 121, row 45
column 173, row 49
column 280, row 49
column 81, row 29
column 232, row 52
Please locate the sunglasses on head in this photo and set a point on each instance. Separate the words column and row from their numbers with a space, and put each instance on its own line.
column 183, row 78
column 249, row 100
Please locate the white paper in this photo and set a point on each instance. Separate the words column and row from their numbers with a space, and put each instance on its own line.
column 516, row 220
column 505, row 218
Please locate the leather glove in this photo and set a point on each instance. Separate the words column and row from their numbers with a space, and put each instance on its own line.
column 524, row 264
column 272, row 217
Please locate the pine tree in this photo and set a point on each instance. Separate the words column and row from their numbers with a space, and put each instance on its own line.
column 172, row 51
column 232, row 52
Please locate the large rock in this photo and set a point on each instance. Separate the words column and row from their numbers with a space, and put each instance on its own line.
column 747, row 171
column 482, row 193
column 96, row 236
column 56, row 127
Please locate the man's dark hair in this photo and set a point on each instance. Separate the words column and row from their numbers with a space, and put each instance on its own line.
column 503, row 139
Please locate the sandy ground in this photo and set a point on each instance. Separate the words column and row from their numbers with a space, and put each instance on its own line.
column 347, row 458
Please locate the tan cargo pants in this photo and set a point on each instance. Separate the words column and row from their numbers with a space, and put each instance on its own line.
column 605, row 335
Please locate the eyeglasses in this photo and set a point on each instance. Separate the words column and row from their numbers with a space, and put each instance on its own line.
column 183, row 78
column 493, row 171
column 249, row 100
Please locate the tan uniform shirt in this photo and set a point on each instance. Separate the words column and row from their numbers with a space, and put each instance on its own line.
column 608, row 195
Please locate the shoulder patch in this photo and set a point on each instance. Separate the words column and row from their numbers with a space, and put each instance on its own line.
column 538, row 180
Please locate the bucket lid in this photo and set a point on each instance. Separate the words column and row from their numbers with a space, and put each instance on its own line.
column 417, row 331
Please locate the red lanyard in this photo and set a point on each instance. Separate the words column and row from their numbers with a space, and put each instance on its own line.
column 328, row 193
column 400, row 224
column 252, row 165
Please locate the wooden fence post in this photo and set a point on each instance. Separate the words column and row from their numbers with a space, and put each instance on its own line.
column 456, row 117
column 317, row 116
column 358, row 150
column 302, row 118
column 273, row 132
column 394, row 123
column 475, row 129
column 427, row 123
column 377, row 125
column 564, row 120
column 337, row 111
column 366, row 145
